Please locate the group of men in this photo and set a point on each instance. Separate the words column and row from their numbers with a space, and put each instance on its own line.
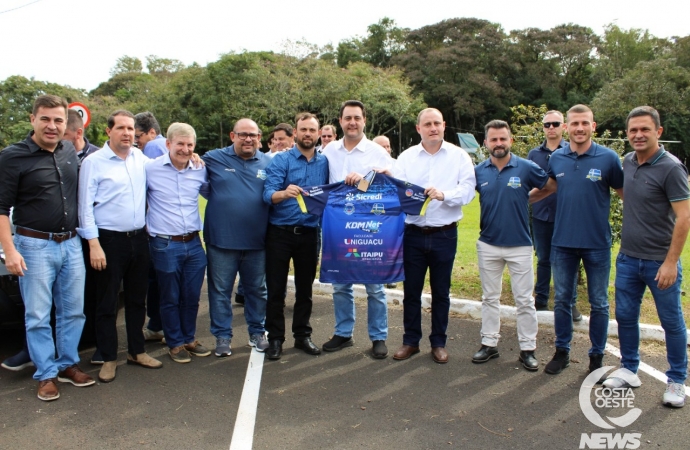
column 137, row 212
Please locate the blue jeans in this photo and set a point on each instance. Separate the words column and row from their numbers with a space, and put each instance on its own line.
column 377, row 311
column 632, row 276
column 565, row 264
column 180, row 269
column 435, row 252
column 55, row 273
column 223, row 266
column 543, row 232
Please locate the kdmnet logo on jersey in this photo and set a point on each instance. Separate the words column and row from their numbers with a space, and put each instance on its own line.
column 609, row 408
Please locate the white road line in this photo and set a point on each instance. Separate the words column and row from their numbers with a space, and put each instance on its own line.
column 243, row 434
column 646, row 368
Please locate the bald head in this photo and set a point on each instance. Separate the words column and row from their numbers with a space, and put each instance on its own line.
column 384, row 142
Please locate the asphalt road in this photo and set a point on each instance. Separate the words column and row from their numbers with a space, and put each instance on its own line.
column 338, row 400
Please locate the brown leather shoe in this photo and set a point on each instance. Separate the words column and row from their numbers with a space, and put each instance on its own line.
column 439, row 354
column 76, row 376
column 107, row 373
column 48, row 390
column 405, row 352
column 144, row 360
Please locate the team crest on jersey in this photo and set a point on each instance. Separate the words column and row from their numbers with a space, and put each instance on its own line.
column 594, row 174
column 349, row 209
column 514, row 182
column 261, row 174
column 378, row 209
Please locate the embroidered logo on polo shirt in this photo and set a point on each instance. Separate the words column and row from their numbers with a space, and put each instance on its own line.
column 514, row 182
column 594, row 174
column 261, row 174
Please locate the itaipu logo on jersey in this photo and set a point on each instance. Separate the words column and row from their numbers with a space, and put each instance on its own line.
column 514, row 182
column 594, row 174
column 261, row 174
column 352, row 252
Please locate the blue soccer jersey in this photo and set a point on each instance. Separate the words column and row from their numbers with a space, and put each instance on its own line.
column 363, row 231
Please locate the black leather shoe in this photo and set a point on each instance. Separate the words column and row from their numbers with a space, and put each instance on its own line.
column 307, row 346
column 379, row 349
column 484, row 354
column 528, row 360
column 274, row 350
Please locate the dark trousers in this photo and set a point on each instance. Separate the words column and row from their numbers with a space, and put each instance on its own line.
column 153, row 302
column 127, row 262
column 281, row 246
column 543, row 232
column 88, row 335
column 435, row 252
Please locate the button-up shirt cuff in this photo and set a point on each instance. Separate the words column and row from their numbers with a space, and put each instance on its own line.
column 88, row 232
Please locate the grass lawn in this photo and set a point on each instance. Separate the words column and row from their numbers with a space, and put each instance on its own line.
column 465, row 283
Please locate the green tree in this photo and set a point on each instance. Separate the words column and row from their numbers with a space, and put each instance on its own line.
column 126, row 64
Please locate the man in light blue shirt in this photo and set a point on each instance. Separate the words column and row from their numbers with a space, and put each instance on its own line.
column 235, row 232
column 173, row 222
column 292, row 235
column 112, row 207
column 147, row 136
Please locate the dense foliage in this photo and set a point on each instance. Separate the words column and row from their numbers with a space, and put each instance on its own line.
column 470, row 69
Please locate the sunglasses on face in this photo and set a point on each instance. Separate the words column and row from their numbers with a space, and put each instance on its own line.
column 552, row 124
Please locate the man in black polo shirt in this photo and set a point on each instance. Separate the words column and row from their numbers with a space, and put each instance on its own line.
column 38, row 177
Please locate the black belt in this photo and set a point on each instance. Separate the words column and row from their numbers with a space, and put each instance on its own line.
column 57, row 237
column 180, row 237
column 295, row 229
column 111, row 233
column 432, row 230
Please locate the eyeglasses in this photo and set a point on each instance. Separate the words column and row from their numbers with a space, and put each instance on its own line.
column 244, row 136
column 138, row 136
column 552, row 124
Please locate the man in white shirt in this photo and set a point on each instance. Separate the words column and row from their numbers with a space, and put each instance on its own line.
column 349, row 159
column 430, row 241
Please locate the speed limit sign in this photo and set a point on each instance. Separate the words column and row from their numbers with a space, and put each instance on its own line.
column 83, row 112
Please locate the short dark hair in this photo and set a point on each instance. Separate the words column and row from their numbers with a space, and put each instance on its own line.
column 286, row 127
column 119, row 112
column 74, row 120
column 352, row 103
column 306, row 116
column 579, row 109
column 496, row 125
column 145, row 121
column 49, row 101
column 644, row 111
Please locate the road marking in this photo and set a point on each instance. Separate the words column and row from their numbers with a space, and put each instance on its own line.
column 646, row 368
column 243, row 434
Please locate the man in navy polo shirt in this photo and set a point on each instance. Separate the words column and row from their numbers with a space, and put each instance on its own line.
column 585, row 172
column 544, row 211
column 235, row 231
column 504, row 182
column 656, row 219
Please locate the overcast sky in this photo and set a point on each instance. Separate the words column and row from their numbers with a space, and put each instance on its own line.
column 76, row 42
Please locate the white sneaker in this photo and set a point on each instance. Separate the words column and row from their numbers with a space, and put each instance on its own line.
column 150, row 335
column 621, row 380
column 674, row 395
